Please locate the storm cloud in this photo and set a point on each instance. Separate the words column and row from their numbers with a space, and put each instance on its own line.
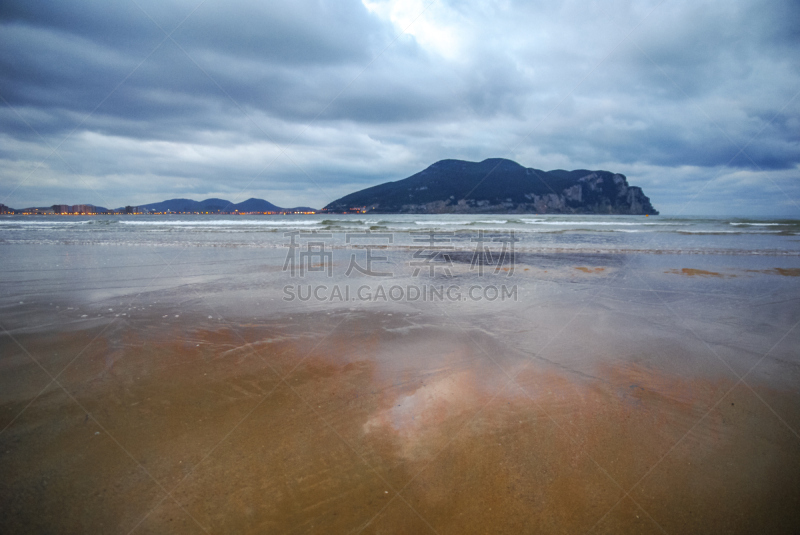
column 302, row 102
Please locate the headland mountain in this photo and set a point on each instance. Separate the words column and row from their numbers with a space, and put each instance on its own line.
column 495, row 185
column 498, row 185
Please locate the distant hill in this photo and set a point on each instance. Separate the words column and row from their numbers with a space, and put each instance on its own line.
column 218, row 205
column 497, row 185
column 172, row 205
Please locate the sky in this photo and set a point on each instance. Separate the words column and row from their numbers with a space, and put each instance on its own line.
column 301, row 102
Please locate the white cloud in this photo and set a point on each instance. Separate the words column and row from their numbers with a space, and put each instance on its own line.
column 434, row 26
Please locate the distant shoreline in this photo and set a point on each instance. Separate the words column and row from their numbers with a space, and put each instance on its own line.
column 44, row 213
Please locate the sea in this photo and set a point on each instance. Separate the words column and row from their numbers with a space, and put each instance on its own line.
column 532, row 233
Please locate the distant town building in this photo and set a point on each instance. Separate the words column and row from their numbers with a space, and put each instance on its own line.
column 36, row 211
column 73, row 209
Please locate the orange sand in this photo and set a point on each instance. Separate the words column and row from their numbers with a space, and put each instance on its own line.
column 591, row 270
column 277, row 428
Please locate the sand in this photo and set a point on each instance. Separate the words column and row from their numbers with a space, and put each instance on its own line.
column 593, row 405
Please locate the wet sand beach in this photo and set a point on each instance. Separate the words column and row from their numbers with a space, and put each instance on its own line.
column 616, row 395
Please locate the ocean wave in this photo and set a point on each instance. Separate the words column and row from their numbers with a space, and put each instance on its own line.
column 225, row 223
column 439, row 223
column 17, row 222
column 342, row 222
column 601, row 223
column 456, row 223
column 731, row 232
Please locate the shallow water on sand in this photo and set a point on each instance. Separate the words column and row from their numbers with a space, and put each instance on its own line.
column 180, row 390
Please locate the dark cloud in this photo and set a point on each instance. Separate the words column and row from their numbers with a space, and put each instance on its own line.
column 301, row 101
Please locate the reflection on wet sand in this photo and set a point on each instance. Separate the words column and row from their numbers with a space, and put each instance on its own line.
column 786, row 272
column 691, row 272
column 375, row 423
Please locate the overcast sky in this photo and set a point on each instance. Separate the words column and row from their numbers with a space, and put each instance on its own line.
column 301, row 102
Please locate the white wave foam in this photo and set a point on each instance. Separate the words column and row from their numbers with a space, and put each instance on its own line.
column 12, row 222
column 439, row 223
column 225, row 223
column 730, row 232
column 600, row 223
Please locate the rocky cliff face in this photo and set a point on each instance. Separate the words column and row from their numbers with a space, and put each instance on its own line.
column 500, row 186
